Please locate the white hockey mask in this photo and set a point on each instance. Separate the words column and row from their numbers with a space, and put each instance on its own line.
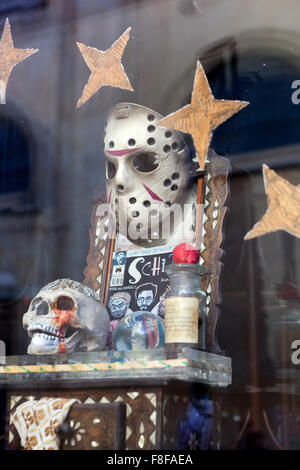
column 147, row 168
column 64, row 317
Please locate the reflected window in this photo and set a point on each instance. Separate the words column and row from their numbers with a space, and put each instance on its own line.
column 15, row 165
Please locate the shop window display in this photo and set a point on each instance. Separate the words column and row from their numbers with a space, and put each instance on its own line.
column 127, row 287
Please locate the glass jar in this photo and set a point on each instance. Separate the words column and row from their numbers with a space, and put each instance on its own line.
column 138, row 331
column 185, row 306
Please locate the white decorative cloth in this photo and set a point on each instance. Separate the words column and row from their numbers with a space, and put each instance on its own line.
column 36, row 421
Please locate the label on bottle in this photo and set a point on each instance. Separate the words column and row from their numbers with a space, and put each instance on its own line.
column 181, row 319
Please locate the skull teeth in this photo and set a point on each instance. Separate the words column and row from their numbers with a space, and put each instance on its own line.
column 45, row 336
column 45, row 331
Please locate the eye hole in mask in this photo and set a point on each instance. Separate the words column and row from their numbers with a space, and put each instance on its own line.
column 146, row 162
column 110, row 170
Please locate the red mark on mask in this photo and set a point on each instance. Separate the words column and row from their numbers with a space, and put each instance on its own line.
column 152, row 194
column 121, row 153
column 109, row 198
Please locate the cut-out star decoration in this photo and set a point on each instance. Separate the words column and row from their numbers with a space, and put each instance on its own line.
column 283, row 212
column 106, row 68
column 202, row 115
column 9, row 57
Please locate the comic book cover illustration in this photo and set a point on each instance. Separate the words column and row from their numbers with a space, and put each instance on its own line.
column 138, row 282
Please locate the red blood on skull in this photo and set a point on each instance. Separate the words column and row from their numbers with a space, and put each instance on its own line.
column 64, row 318
column 62, row 348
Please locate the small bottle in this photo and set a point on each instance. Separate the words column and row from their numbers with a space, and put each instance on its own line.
column 185, row 306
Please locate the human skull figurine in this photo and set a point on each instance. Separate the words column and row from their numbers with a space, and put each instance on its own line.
column 147, row 169
column 64, row 317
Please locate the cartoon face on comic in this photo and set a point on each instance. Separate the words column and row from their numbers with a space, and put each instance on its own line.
column 119, row 304
column 145, row 296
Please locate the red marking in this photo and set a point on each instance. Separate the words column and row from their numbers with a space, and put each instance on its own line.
column 152, row 333
column 62, row 348
column 288, row 292
column 109, row 198
column 64, row 317
column 26, row 300
column 152, row 194
column 120, row 153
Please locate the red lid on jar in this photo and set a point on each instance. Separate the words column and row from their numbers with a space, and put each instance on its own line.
column 185, row 253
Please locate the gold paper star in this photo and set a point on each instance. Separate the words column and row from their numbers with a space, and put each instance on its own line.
column 203, row 115
column 9, row 57
column 283, row 211
column 106, row 68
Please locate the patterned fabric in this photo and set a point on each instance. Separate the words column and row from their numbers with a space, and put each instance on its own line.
column 36, row 421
